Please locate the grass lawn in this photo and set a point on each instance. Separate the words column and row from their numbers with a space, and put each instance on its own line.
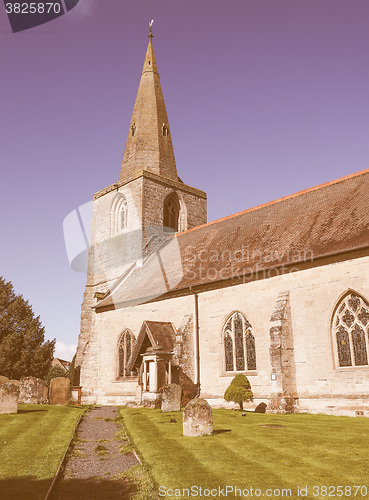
column 32, row 443
column 261, row 451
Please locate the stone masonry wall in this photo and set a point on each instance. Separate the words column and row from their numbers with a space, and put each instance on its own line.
column 313, row 294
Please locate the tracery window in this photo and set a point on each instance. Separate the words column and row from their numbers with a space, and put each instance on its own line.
column 351, row 329
column 239, row 344
column 125, row 347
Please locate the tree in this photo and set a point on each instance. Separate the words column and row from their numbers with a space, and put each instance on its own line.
column 23, row 350
column 54, row 372
column 239, row 390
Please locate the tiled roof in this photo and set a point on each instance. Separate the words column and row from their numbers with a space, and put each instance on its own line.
column 322, row 221
column 160, row 334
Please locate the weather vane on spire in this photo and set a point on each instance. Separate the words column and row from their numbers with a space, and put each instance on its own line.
column 150, row 24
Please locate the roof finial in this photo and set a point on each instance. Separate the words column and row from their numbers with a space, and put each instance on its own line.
column 150, row 24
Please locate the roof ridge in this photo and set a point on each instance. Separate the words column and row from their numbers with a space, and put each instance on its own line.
column 283, row 198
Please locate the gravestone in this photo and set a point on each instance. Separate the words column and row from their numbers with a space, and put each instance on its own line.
column 3, row 380
column 15, row 382
column 171, row 398
column 197, row 418
column 31, row 390
column 261, row 408
column 9, row 394
column 59, row 391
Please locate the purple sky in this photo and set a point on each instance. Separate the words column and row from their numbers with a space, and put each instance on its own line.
column 264, row 98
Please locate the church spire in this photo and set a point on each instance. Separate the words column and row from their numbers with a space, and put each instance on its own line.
column 149, row 144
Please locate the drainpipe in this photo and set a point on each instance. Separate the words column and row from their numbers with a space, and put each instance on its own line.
column 197, row 341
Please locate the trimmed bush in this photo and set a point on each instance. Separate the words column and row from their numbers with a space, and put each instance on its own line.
column 239, row 390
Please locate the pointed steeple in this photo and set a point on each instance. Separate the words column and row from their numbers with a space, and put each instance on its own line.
column 149, row 144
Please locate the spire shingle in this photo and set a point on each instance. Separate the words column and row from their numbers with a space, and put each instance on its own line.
column 149, row 144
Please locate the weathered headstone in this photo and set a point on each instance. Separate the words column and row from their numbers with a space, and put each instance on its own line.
column 3, row 380
column 15, row 382
column 59, row 391
column 197, row 418
column 31, row 390
column 171, row 398
column 9, row 394
column 261, row 408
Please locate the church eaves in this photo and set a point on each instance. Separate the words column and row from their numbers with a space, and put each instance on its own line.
column 149, row 144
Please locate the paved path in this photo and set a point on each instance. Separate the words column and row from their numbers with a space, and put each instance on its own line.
column 93, row 468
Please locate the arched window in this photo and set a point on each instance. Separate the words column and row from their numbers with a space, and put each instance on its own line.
column 123, row 214
column 351, row 329
column 164, row 130
column 239, row 344
column 125, row 347
column 119, row 214
column 171, row 212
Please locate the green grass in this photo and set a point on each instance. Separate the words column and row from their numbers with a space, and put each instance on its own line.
column 301, row 450
column 101, row 449
column 32, row 443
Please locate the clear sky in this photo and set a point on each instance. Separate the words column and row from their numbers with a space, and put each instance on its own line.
column 264, row 98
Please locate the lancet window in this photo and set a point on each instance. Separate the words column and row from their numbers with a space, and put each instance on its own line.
column 351, row 330
column 239, row 344
column 125, row 347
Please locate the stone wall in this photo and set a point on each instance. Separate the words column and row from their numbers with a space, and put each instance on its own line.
column 307, row 366
column 111, row 254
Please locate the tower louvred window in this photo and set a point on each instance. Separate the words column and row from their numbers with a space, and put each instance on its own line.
column 351, row 329
column 171, row 212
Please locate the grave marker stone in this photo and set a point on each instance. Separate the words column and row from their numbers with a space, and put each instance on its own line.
column 59, row 391
column 197, row 418
column 171, row 398
column 31, row 390
column 9, row 394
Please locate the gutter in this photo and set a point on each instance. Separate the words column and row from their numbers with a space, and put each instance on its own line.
column 197, row 342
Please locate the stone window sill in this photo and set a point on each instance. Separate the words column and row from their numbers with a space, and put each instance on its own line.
column 249, row 373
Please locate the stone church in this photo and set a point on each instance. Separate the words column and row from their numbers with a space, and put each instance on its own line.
column 279, row 292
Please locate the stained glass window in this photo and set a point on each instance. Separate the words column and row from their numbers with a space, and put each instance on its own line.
column 239, row 344
column 125, row 345
column 238, row 337
column 250, row 348
column 228, row 348
column 351, row 324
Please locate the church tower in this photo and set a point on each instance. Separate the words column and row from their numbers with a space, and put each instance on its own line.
column 149, row 167
column 148, row 195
